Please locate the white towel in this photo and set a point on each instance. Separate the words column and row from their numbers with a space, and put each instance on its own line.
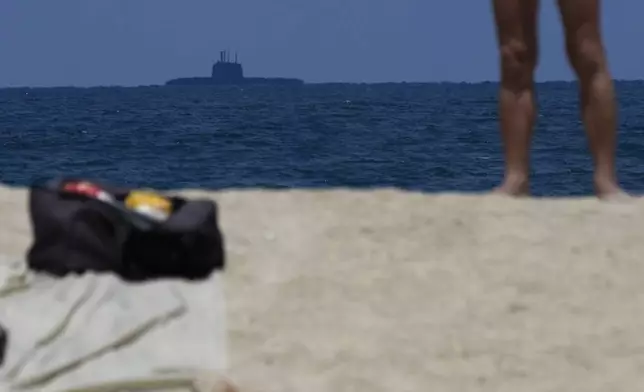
column 99, row 333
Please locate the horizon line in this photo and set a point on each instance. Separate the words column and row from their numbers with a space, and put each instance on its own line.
column 481, row 82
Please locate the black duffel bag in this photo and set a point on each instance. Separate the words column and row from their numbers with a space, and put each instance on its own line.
column 75, row 233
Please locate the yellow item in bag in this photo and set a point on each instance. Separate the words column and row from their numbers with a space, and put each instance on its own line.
column 149, row 204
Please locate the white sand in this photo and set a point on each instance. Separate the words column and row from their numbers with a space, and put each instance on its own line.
column 392, row 291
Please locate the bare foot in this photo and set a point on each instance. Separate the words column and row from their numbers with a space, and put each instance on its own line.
column 513, row 188
column 610, row 191
column 615, row 196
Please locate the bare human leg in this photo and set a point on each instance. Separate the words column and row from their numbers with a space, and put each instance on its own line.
column 516, row 28
column 587, row 57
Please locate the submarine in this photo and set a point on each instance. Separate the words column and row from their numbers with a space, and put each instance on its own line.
column 230, row 72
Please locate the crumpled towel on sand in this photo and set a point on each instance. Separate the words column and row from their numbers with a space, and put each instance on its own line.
column 95, row 333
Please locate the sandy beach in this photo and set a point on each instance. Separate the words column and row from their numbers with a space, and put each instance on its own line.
column 393, row 291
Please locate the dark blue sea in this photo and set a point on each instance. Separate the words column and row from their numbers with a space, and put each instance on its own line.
column 429, row 137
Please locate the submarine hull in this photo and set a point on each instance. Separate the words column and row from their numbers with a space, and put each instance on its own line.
column 231, row 73
column 206, row 81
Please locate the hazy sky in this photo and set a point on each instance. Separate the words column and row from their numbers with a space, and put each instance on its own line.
column 132, row 42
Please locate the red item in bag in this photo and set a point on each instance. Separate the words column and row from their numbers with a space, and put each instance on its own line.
column 87, row 189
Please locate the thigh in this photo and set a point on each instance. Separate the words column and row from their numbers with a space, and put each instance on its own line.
column 516, row 23
column 581, row 20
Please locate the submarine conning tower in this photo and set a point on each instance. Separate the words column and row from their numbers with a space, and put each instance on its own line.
column 227, row 71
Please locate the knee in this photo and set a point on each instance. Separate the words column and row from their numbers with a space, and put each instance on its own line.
column 518, row 62
column 586, row 57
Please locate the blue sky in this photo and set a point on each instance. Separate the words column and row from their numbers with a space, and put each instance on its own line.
column 133, row 42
